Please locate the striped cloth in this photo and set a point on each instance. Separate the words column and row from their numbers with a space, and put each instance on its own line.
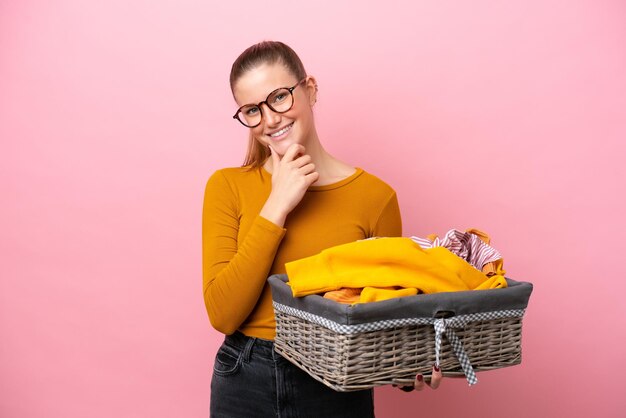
column 466, row 245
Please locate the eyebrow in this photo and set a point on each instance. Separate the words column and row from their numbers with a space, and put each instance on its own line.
column 274, row 89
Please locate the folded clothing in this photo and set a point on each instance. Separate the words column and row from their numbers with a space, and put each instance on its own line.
column 386, row 262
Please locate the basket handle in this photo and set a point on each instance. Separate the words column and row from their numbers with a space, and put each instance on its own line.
column 444, row 314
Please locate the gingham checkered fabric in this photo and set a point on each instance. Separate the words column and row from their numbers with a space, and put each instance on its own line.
column 441, row 325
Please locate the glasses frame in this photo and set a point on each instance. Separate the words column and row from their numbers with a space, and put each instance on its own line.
column 293, row 100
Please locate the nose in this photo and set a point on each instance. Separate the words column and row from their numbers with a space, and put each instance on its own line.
column 271, row 118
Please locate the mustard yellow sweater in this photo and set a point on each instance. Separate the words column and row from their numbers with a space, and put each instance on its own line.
column 387, row 262
column 240, row 249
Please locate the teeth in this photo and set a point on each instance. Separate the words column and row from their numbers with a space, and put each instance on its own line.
column 282, row 131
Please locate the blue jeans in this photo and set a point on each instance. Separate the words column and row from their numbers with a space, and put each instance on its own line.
column 251, row 380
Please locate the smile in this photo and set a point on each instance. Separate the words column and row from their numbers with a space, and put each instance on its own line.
column 282, row 131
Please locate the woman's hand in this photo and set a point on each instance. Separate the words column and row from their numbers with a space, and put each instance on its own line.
column 420, row 383
column 291, row 177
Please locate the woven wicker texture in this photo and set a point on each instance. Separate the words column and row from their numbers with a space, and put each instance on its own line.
column 395, row 355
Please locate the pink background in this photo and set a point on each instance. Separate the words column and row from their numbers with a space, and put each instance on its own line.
column 505, row 116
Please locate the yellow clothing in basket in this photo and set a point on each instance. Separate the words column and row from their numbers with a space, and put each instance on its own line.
column 386, row 262
column 346, row 295
column 375, row 294
column 369, row 294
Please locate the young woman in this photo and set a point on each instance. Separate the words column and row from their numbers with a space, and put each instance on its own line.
column 290, row 200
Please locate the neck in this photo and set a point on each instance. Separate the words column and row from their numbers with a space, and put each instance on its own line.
column 323, row 160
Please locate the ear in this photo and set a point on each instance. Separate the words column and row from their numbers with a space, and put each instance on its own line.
column 311, row 88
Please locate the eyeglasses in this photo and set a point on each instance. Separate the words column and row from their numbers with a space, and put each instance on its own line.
column 280, row 101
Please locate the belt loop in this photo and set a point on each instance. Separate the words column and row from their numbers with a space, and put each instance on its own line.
column 248, row 349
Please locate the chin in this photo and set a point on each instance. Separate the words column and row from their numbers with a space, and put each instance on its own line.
column 282, row 146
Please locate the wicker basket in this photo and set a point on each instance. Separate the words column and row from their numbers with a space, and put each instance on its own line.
column 354, row 347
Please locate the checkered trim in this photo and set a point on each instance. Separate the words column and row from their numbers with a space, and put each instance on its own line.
column 390, row 323
column 441, row 325
column 445, row 325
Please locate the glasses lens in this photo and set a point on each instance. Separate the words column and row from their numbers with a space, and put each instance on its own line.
column 250, row 115
column 281, row 100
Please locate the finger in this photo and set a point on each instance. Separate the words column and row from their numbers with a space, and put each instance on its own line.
column 309, row 168
column 302, row 160
column 435, row 380
column 312, row 177
column 419, row 382
column 293, row 151
column 275, row 158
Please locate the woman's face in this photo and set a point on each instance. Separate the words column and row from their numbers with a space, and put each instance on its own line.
column 278, row 129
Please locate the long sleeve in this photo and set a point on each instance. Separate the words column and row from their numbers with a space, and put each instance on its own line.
column 240, row 249
column 234, row 273
column 389, row 222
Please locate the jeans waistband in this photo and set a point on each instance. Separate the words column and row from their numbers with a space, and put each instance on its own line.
column 258, row 346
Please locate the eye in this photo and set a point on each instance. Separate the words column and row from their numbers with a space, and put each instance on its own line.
column 251, row 111
column 280, row 96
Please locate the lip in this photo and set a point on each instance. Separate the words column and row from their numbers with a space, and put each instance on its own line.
column 276, row 138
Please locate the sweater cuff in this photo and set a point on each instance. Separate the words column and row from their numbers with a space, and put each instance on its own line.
column 270, row 226
column 311, row 275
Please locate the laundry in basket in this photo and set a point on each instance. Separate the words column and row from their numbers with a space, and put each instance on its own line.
column 355, row 347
